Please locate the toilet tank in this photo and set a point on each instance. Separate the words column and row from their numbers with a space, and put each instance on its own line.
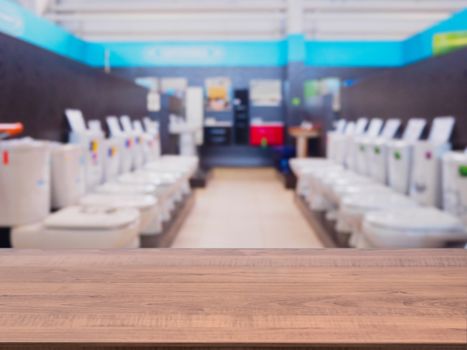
column 400, row 160
column 67, row 175
column 93, row 156
column 425, row 186
column 455, row 184
column 112, row 158
column 24, row 182
column 138, row 155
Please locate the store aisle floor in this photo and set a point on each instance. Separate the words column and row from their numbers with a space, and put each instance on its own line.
column 245, row 208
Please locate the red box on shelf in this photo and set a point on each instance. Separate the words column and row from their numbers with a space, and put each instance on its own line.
column 267, row 134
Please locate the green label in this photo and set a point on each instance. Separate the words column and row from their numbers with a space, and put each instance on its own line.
column 463, row 170
column 362, row 148
column 296, row 101
column 311, row 89
column 397, row 155
column 377, row 150
column 447, row 42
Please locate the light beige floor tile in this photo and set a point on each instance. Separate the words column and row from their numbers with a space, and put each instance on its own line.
column 245, row 208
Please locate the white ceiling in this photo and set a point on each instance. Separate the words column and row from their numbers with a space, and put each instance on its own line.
column 145, row 20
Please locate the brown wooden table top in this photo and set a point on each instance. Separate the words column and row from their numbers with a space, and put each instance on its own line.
column 313, row 298
column 296, row 131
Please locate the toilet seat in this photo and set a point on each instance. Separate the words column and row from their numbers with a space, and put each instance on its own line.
column 81, row 228
column 167, row 185
column 150, row 221
column 94, row 218
column 412, row 228
column 132, row 188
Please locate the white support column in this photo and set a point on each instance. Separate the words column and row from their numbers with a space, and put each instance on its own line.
column 42, row 6
column 295, row 17
column 39, row 7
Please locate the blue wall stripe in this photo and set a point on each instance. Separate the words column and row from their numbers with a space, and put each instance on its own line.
column 420, row 46
column 202, row 54
column 354, row 54
column 21, row 23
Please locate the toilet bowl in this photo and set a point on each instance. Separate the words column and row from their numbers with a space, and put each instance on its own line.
column 180, row 176
column 81, row 228
column 339, row 194
column 169, row 188
column 414, row 228
column 309, row 184
column 354, row 208
column 142, row 188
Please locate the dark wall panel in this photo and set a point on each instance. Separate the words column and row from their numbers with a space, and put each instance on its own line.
column 434, row 87
column 36, row 86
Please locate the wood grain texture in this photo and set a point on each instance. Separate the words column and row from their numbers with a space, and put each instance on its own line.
column 226, row 298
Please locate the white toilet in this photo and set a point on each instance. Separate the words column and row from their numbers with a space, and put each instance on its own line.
column 310, row 177
column 81, row 228
column 115, row 156
column 353, row 208
column 354, row 200
column 93, row 227
column 148, row 204
column 121, row 147
column 132, row 184
column 334, row 187
column 322, row 181
column 171, row 177
column 424, row 227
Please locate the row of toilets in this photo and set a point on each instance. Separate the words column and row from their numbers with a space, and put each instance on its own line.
column 383, row 192
column 93, row 192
